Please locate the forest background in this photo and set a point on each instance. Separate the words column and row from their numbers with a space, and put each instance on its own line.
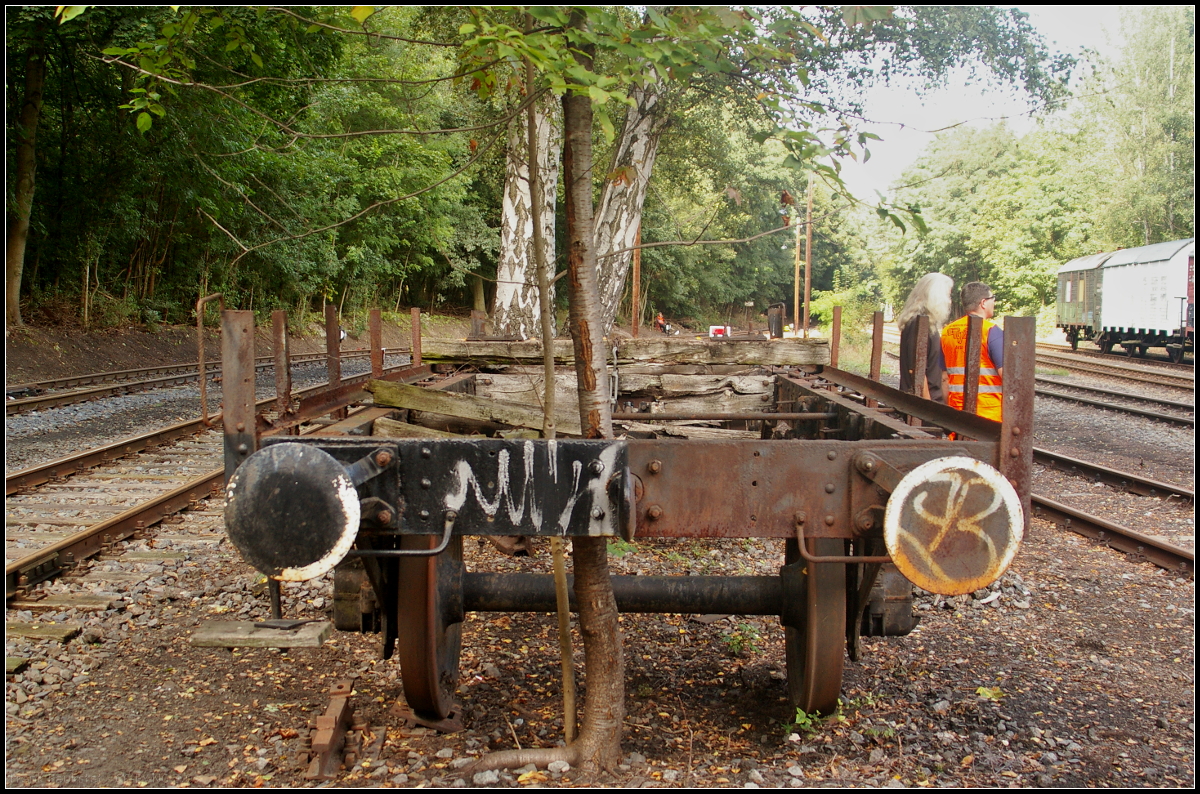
column 148, row 195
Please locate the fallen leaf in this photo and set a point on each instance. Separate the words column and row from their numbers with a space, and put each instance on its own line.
column 535, row 776
column 970, row 759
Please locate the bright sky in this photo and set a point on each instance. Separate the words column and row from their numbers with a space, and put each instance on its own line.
column 906, row 121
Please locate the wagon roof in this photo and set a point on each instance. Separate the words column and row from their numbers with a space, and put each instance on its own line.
column 1088, row 262
column 1148, row 253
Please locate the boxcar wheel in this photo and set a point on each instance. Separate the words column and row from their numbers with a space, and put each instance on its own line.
column 429, row 612
column 816, row 649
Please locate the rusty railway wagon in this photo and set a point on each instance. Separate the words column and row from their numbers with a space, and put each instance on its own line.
column 868, row 488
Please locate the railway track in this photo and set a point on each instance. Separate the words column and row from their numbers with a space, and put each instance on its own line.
column 44, row 395
column 1170, row 418
column 1150, row 360
column 61, row 512
column 1112, row 369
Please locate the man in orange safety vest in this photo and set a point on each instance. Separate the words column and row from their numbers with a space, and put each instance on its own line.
column 978, row 300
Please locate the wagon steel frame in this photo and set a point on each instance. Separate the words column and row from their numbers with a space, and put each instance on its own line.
column 821, row 484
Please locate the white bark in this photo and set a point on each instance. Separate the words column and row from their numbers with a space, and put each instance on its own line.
column 619, row 213
column 515, row 310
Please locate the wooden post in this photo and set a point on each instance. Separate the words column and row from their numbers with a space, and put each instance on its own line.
column 876, row 353
column 636, row 309
column 974, row 354
column 808, row 256
column 416, row 336
column 796, row 287
column 283, row 371
column 1016, row 434
column 333, row 353
column 835, row 336
column 376, row 344
column 237, row 388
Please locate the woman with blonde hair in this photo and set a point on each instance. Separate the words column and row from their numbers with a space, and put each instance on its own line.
column 931, row 298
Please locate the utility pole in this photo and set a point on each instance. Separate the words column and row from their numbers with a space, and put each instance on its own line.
column 636, row 309
column 807, row 254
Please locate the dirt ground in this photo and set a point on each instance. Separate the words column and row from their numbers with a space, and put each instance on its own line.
column 1080, row 672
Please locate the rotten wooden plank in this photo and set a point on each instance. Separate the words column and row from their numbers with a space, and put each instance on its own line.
column 244, row 634
column 391, row 428
column 773, row 352
column 43, row 631
column 84, row 602
column 399, row 395
column 358, row 423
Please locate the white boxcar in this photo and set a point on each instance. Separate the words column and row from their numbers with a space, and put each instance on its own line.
column 1145, row 298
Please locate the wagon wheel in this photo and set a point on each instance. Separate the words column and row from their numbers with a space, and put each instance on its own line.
column 816, row 649
column 429, row 614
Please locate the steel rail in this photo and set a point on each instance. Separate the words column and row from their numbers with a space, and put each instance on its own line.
column 1143, row 486
column 1155, row 361
column 1125, row 395
column 1114, row 370
column 1137, row 545
column 183, row 373
column 1127, row 409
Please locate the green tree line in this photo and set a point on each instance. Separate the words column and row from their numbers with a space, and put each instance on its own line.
column 1114, row 168
column 294, row 157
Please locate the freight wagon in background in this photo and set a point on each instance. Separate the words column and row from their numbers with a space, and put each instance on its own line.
column 1137, row 298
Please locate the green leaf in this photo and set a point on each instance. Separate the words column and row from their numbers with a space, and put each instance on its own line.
column 67, row 13
column 989, row 693
column 865, row 15
column 144, row 121
column 362, row 13
column 467, row 29
column 258, row 61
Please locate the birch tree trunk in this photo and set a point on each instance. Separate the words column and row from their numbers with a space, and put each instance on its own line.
column 620, row 210
column 515, row 309
column 26, row 166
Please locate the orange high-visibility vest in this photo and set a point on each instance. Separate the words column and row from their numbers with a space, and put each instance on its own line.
column 991, row 391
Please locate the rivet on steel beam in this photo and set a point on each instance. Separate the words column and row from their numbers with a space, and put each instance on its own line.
column 1014, row 452
column 831, row 455
column 830, row 487
column 597, row 513
column 383, row 457
column 241, row 426
column 1016, row 431
column 655, row 512
column 425, row 453
column 424, row 514
column 829, row 519
column 655, row 466
column 243, row 447
column 596, row 467
column 425, row 483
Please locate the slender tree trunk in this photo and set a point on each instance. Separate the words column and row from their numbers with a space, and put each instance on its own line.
column 515, row 309
column 599, row 742
column 26, row 166
column 620, row 211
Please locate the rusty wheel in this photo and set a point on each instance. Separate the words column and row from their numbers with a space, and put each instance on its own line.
column 429, row 612
column 816, row 647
